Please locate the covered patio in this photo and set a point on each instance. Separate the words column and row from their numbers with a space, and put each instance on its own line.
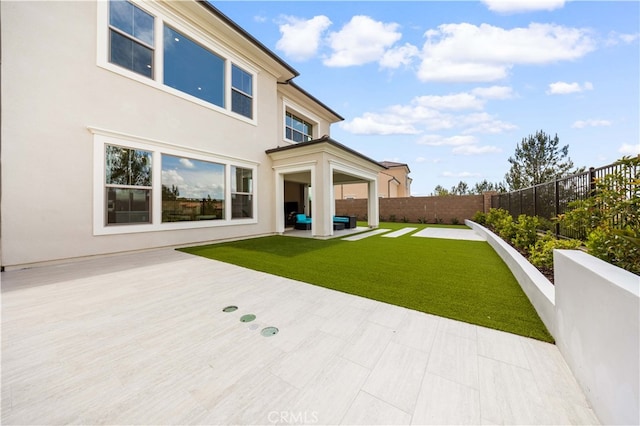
column 306, row 174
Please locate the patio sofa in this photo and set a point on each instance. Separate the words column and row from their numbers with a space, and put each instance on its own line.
column 302, row 222
column 348, row 221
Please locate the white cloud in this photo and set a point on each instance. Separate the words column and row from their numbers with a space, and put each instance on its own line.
column 615, row 38
column 456, row 101
column 628, row 149
column 466, row 53
column 483, row 122
column 399, row 56
column 437, row 140
column 460, row 174
column 517, row 6
column 171, row 177
column 187, row 163
column 380, row 124
column 581, row 124
column 260, row 18
column 563, row 88
column 360, row 41
column 494, row 92
column 301, row 38
column 475, row 149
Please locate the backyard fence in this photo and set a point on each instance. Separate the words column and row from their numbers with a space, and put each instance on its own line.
column 550, row 199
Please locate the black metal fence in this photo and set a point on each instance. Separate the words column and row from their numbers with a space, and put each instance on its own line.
column 550, row 199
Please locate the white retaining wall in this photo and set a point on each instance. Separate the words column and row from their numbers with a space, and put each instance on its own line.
column 536, row 286
column 598, row 332
column 593, row 312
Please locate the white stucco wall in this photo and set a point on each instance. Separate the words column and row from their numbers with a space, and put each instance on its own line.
column 53, row 91
column 598, row 332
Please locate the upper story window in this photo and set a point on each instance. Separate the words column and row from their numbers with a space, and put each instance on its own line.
column 296, row 129
column 241, row 92
column 192, row 69
column 139, row 40
column 131, row 37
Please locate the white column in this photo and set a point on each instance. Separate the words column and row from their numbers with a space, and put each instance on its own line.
column 279, row 202
column 373, row 205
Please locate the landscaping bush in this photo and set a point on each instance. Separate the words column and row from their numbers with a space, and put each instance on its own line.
column 480, row 218
column 541, row 253
column 610, row 220
column 526, row 231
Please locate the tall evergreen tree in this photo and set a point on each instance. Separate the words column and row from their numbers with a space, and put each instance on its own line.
column 538, row 159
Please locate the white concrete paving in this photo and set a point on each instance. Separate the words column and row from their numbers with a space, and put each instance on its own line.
column 142, row 339
column 399, row 232
column 450, row 233
column 364, row 235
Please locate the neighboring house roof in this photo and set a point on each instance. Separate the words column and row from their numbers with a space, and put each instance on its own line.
column 390, row 164
column 324, row 139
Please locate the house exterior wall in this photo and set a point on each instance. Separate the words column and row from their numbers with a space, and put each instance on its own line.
column 57, row 101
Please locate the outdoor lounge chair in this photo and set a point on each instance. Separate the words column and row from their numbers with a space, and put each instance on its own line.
column 302, row 222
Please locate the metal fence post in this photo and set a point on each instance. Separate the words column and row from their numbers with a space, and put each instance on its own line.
column 557, row 204
column 592, row 182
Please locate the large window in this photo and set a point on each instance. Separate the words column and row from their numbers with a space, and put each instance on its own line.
column 241, row 92
column 241, row 192
column 128, row 185
column 191, row 189
column 131, row 37
column 192, row 69
column 142, row 42
column 296, row 129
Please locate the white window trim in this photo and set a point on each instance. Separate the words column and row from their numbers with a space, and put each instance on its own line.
column 162, row 17
column 103, row 137
column 295, row 109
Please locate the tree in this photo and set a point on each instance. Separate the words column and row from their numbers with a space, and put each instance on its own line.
column 462, row 188
column 485, row 186
column 538, row 159
column 440, row 191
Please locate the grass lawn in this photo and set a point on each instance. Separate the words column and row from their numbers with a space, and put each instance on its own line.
column 462, row 280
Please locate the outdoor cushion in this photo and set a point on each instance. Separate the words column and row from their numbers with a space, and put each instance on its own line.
column 302, row 218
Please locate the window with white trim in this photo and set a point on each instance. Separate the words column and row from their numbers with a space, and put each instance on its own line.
column 241, row 92
column 140, row 35
column 241, row 192
column 128, row 185
column 297, row 129
column 145, row 186
column 131, row 32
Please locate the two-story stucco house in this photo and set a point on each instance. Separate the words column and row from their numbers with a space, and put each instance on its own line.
column 129, row 125
column 393, row 182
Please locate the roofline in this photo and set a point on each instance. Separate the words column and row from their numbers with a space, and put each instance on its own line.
column 313, row 98
column 211, row 8
column 325, row 139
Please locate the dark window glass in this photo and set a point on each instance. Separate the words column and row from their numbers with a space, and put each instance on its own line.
column 192, row 69
column 241, row 92
column 131, row 55
column 128, row 185
column 241, row 192
column 296, row 129
column 131, row 37
column 191, row 189
column 131, row 20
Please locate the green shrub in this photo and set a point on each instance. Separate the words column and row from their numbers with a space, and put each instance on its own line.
column 495, row 216
column 392, row 218
column 455, row 221
column 541, row 253
column 422, row 219
column 618, row 247
column 526, row 231
column 480, row 218
column 404, row 219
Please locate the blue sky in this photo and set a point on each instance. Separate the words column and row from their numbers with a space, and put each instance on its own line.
column 450, row 88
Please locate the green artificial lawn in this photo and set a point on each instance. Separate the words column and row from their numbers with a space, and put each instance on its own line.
column 462, row 280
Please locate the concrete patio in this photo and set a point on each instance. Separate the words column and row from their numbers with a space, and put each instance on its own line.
column 142, row 339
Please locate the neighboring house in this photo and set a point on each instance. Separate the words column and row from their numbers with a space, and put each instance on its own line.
column 393, row 182
column 135, row 125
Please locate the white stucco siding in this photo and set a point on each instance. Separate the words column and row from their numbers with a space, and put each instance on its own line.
column 53, row 92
